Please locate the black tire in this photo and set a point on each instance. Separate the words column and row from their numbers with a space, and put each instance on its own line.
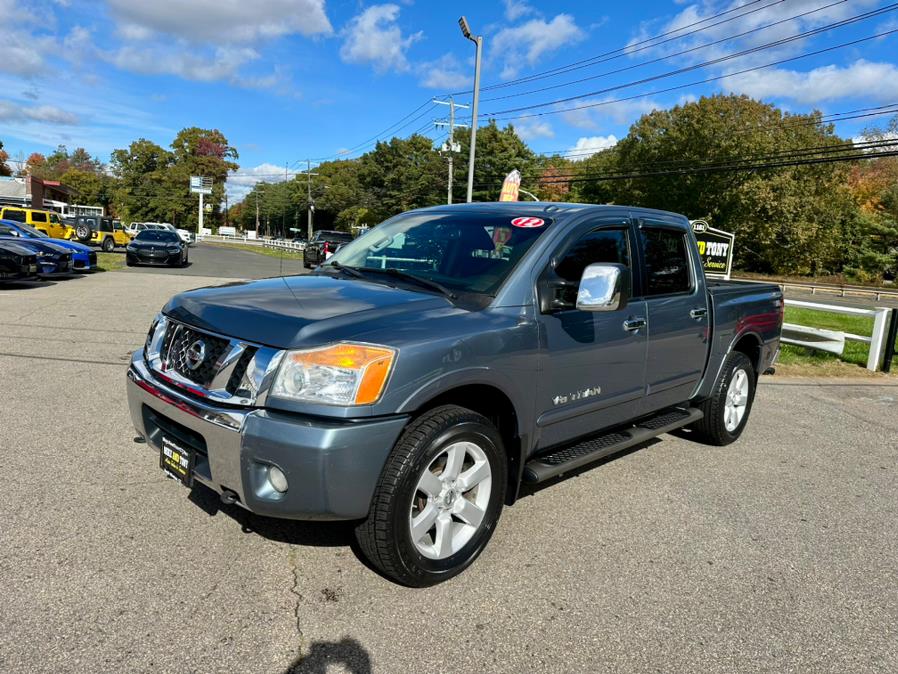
column 712, row 429
column 186, row 260
column 83, row 232
column 108, row 244
column 384, row 537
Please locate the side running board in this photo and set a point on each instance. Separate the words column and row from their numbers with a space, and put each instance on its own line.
column 565, row 459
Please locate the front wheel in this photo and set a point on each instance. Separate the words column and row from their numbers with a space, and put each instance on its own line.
column 108, row 244
column 438, row 499
column 727, row 410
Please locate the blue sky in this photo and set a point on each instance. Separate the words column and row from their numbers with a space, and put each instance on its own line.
column 290, row 79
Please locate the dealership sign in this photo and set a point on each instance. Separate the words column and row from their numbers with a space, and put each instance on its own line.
column 715, row 247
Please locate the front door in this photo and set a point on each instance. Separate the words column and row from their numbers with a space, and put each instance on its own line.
column 677, row 306
column 593, row 368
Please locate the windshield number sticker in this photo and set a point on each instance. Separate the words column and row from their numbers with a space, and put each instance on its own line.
column 527, row 223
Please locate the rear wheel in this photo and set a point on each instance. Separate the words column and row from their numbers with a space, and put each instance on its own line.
column 438, row 499
column 108, row 244
column 727, row 410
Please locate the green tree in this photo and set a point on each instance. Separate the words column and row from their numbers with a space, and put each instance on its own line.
column 5, row 170
column 499, row 151
column 787, row 220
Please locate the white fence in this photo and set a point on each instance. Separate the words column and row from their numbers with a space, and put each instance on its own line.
column 834, row 341
column 266, row 243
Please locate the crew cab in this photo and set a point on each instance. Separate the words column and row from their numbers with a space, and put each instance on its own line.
column 322, row 245
column 432, row 366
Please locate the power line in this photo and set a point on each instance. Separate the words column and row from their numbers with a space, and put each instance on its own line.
column 682, row 86
column 722, row 59
column 625, row 49
column 667, row 56
column 887, row 109
column 797, row 157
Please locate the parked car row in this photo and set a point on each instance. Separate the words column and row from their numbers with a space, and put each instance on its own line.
column 36, row 243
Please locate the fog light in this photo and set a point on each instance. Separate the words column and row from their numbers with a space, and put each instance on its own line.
column 277, row 479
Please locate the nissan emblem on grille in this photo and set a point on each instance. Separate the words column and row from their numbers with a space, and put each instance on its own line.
column 195, row 355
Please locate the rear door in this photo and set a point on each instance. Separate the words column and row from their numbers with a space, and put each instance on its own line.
column 676, row 304
column 594, row 363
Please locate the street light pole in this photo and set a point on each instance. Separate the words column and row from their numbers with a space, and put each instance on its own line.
column 478, row 41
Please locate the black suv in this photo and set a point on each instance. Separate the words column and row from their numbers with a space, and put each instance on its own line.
column 324, row 242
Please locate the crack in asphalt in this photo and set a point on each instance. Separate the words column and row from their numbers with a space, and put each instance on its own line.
column 294, row 590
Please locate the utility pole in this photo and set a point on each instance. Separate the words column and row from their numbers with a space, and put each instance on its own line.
column 311, row 208
column 451, row 147
column 478, row 42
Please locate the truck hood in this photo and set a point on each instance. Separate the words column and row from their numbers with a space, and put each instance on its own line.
column 295, row 311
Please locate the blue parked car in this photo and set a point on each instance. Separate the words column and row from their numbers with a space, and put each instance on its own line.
column 84, row 258
column 52, row 260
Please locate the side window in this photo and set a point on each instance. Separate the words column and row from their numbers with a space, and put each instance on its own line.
column 666, row 262
column 54, row 218
column 38, row 217
column 15, row 216
column 599, row 245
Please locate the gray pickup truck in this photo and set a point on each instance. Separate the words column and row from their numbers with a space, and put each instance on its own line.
column 432, row 366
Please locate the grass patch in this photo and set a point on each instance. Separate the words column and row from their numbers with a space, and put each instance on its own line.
column 110, row 261
column 820, row 362
column 261, row 250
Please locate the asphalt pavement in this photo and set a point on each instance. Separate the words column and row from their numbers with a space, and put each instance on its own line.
column 224, row 261
column 776, row 553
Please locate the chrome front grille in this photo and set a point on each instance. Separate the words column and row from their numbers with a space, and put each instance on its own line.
column 185, row 349
column 210, row 365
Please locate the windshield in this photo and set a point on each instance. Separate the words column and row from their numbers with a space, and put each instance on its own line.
column 468, row 252
column 160, row 235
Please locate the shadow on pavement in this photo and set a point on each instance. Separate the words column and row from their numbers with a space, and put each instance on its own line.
column 349, row 653
column 293, row 532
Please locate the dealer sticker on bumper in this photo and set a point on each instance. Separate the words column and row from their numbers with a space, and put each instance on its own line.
column 176, row 461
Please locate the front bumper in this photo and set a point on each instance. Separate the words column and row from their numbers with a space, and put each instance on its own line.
column 332, row 466
column 164, row 259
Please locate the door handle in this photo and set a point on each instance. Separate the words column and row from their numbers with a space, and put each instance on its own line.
column 634, row 323
column 698, row 313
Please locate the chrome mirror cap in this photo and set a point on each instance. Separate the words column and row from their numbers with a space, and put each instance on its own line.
column 604, row 287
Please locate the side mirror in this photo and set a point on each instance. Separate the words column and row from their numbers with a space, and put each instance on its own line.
column 604, row 287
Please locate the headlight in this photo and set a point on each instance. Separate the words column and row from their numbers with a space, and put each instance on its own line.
column 342, row 374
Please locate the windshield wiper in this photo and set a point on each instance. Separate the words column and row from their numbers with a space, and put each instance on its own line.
column 399, row 273
column 352, row 271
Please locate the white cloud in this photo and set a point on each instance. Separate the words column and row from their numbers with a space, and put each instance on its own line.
column 587, row 146
column 374, row 37
column 48, row 114
column 221, row 21
column 222, row 64
column 861, row 79
column 241, row 182
column 531, row 129
column 533, row 39
column 445, row 73
column 607, row 109
column 515, row 9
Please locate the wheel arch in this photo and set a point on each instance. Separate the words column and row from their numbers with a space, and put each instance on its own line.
column 494, row 404
column 749, row 344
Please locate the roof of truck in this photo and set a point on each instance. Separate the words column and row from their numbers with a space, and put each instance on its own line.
column 543, row 208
